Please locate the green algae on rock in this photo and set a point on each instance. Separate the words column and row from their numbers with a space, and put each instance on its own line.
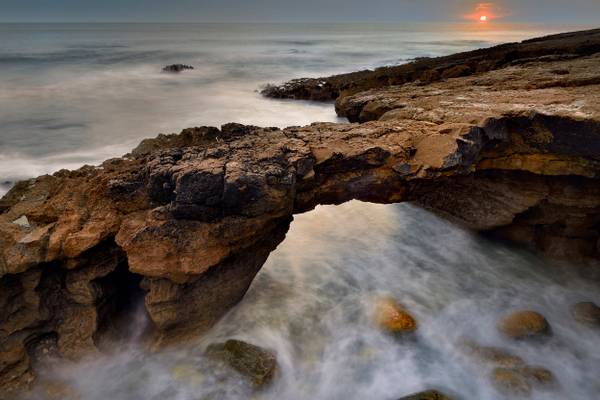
column 253, row 362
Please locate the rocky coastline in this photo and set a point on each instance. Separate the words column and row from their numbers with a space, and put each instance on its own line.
column 505, row 141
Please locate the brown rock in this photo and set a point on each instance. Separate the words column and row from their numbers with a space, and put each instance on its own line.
column 394, row 318
column 511, row 381
column 524, row 325
column 492, row 355
column 587, row 313
column 60, row 391
column 522, row 380
column 538, row 375
column 255, row 363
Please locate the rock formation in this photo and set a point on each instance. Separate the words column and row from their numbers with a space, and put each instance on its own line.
column 427, row 70
column 176, row 68
column 188, row 220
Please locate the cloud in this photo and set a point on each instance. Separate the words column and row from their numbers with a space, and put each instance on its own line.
column 490, row 10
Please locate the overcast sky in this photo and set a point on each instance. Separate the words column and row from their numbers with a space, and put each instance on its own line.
column 565, row 11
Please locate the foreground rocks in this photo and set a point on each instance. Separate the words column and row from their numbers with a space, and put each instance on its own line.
column 186, row 221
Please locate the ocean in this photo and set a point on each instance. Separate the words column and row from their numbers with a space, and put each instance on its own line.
column 74, row 94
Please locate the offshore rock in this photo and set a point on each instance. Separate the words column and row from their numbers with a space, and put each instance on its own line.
column 187, row 220
column 176, row 68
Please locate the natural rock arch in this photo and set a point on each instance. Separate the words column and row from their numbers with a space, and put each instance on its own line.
column 194, row 216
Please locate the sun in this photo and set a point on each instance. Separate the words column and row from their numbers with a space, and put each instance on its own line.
column 483, row 18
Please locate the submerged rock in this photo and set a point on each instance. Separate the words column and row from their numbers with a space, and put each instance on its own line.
column 187, row 373
column 525, row 325
column 255, row 363
column 587, row 313
column 510, row 373
column 521, row 380
column 393, row 318
column 491, row 355
column 509, row 380
column 427, row 395
column 177, row 68
column 59, row 391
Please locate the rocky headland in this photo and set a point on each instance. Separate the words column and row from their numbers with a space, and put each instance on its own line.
column 505, row 141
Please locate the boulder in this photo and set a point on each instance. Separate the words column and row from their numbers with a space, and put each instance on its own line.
column 253, row 362
column 524, row 325
column 393, row 318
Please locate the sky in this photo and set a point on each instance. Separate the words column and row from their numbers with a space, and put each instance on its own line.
column 538, row 11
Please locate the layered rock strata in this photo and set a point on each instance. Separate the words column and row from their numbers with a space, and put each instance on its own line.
column 188, row 220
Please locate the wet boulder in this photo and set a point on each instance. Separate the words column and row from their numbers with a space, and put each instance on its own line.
column 526, row 324
column 392, row 317
column 176, row 68
column 257, row 364
column 587, row 313
column 508, row 380
column 427, row 395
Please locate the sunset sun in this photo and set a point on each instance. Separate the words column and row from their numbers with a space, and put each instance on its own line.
column 486, row 13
